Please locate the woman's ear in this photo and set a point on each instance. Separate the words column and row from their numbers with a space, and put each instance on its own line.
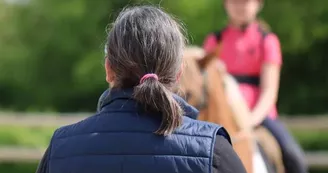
column 109, row 72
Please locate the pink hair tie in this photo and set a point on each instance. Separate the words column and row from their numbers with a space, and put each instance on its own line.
column 149, row 75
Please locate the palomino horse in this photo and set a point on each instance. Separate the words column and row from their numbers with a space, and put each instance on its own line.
column 206, row 92
column 263, row 136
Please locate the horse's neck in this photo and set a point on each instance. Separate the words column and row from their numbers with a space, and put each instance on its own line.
column 237, row 103
column 218, row 109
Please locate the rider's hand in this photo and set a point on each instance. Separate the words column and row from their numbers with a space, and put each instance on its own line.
column 255, row 121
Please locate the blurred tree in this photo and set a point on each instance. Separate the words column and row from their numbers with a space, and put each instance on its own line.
column 51, row 52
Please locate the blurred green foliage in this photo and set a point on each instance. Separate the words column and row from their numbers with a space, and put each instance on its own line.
column 18, row 167
column 51, row 52
column 39, row 137
column 36, row 137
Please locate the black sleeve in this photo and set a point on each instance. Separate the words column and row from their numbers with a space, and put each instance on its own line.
column 225, row 159
column 43, row 165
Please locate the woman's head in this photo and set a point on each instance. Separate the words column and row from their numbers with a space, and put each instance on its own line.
column 241, row 12
column 145, row 40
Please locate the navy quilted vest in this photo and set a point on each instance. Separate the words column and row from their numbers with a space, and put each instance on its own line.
column 120, row 139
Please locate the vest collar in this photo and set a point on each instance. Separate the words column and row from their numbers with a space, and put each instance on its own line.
column 110, row 96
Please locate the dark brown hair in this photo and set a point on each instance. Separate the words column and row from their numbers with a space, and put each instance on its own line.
column 145, row 39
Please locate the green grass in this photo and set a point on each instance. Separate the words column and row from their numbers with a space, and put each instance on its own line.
column 312, row 140
column 18, row 167
column 40, row 136
column 35, row 137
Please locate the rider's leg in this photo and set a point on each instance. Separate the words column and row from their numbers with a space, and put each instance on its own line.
column 293, row 155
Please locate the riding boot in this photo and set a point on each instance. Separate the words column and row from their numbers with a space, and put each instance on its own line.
column 293, row 156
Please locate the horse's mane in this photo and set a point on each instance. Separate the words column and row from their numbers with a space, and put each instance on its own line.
column 208, row 57
column 220, row 109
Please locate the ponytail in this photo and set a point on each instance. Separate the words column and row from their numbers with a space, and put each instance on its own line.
column 159, row 50
column 264, row 25
column 155, row 96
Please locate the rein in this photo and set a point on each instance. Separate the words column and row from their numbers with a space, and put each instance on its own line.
column 204, row 99
column 202, row 64
column 203, row 103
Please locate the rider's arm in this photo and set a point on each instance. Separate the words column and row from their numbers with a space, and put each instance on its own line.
column 270, row 77
column 225, row 158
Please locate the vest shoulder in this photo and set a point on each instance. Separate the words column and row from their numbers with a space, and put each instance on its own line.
column 196, row 127
column 75, row 128
column 202, row 128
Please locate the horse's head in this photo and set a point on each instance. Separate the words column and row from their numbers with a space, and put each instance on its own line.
column 205, row 85
column 202, row 82
column 192, row 79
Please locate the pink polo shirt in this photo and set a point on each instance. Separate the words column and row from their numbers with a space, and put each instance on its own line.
column 244, row 53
